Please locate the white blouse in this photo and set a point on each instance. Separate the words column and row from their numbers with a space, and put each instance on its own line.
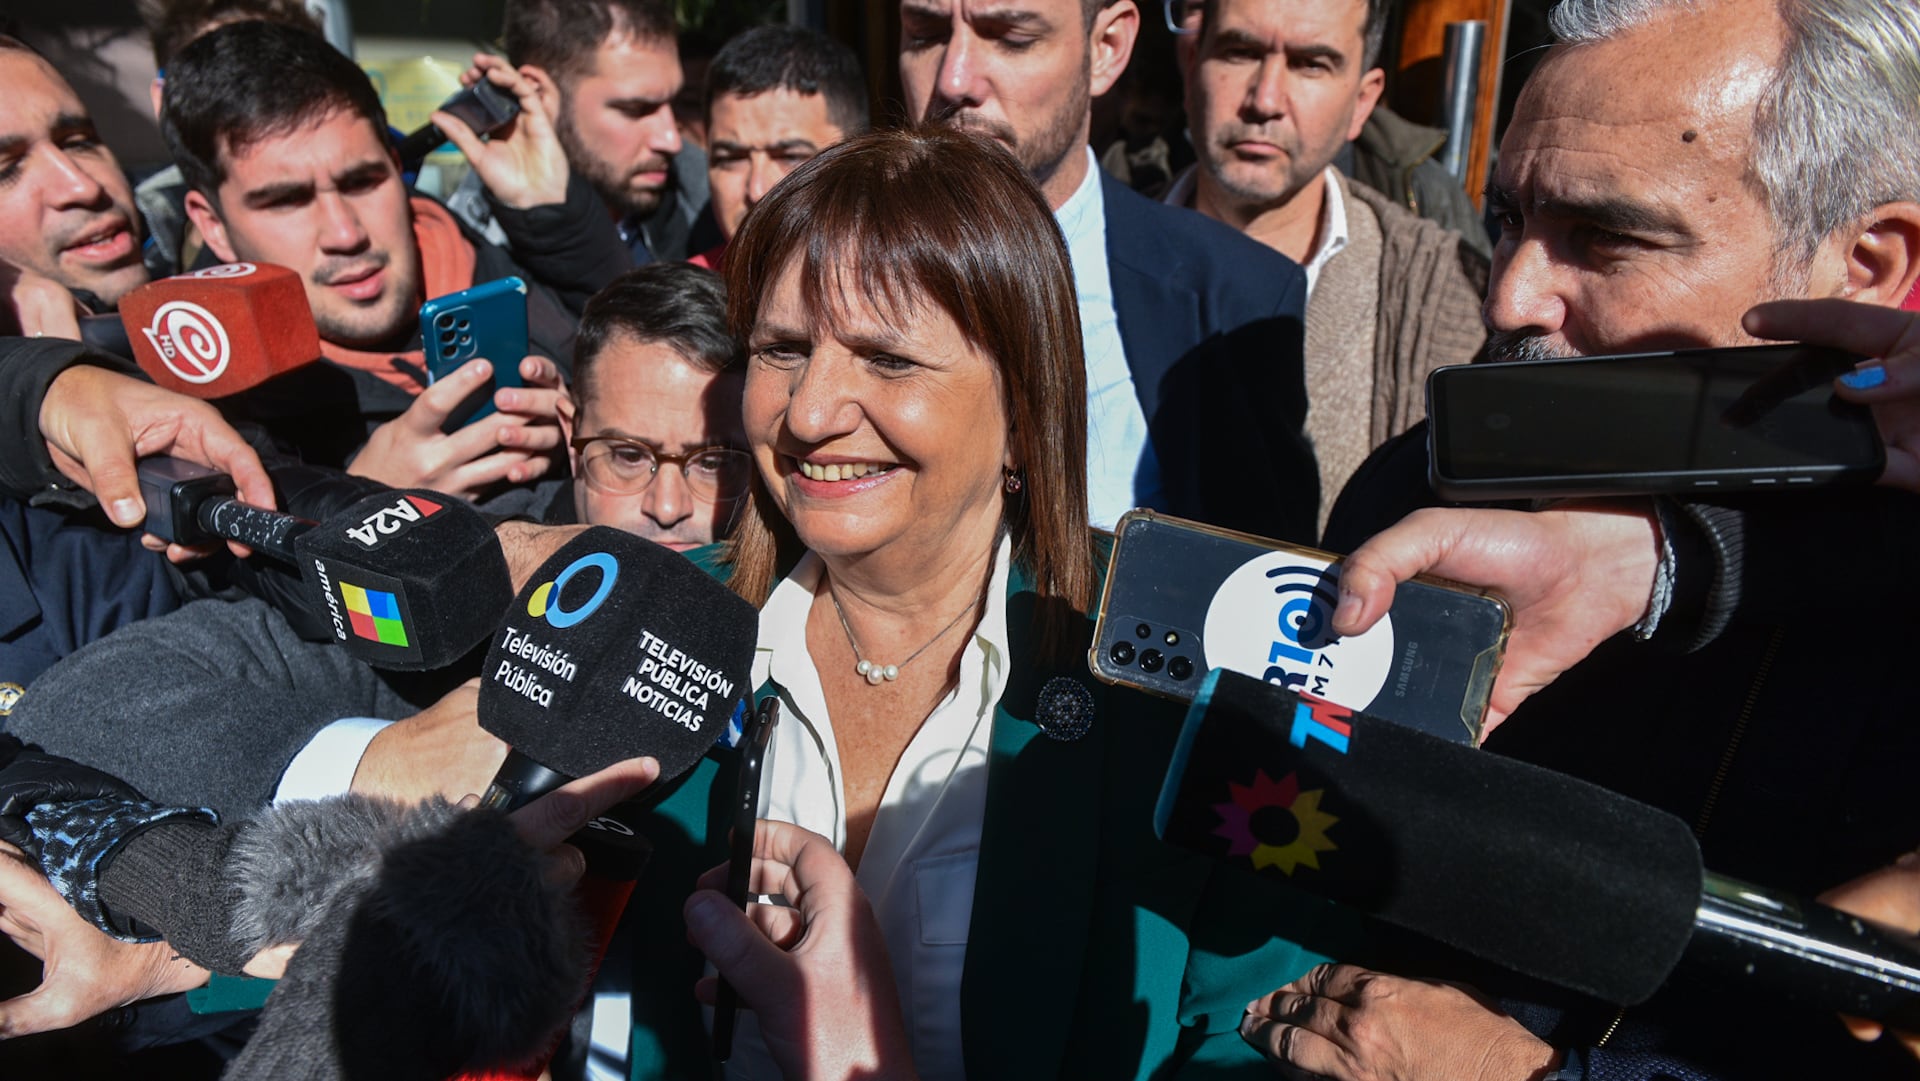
column 919, row 864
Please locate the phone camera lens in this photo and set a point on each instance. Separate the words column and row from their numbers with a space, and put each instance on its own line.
column 1121, row 653
column 1180, row 668
column 1151, row 660
column 1143, row 631
column 443, row 322
column 465, row 326
column 447, row 336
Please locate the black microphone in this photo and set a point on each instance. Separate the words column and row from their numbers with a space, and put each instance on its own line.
column 617, row 648
column 409, row 580
column 1535, row 871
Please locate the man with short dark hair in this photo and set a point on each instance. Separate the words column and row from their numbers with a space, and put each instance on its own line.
column 66, row 210
column 173, row 244
column 608, row 71
column 653, row 420
column 1277, row 89
column 1195, row 393
column 284, row 144
column 776, row 96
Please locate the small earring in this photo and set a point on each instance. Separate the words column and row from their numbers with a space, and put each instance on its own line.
column 1014, row 482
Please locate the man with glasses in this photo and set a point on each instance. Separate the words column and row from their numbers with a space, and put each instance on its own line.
column 653, row 421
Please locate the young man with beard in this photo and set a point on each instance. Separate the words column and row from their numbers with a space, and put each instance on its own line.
column 1276, row 90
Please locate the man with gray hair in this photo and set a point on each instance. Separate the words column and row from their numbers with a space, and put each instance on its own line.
column 1672, row 166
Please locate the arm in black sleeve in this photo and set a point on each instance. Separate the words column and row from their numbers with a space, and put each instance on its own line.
column 1773, row 558
column 28, row 366
column 571, row 247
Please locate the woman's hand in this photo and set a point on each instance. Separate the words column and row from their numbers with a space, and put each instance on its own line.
column 1346, row 1023
column 817, row 974
column 1891, row 386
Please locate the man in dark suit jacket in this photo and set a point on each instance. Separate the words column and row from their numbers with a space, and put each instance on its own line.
column 1203, row 323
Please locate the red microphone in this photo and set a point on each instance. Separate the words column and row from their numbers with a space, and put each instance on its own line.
column 221, row 330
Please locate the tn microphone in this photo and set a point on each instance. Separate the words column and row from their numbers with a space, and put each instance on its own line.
column 1530, row 869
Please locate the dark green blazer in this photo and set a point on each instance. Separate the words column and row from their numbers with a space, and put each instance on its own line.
column 1095, row 950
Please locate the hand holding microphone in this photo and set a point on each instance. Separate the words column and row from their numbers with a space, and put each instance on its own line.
column 409, row 580
column 97, row 422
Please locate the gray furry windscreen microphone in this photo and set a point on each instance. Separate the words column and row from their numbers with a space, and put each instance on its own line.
column 617, row 648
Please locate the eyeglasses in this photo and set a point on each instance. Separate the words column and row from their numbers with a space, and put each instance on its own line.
column 1183, row 16
column 618, row 465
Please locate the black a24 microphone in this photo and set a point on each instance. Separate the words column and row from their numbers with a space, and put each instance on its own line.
column 411, row 580
column 1532, row 870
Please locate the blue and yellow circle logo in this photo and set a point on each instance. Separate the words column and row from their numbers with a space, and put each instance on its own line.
column 545, row 602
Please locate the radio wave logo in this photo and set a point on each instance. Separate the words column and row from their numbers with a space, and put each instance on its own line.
column 1272, row 618
column 545, row 602
column 191, row 342
column 224, row 270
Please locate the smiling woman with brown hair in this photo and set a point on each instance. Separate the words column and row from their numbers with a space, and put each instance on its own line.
column 916, row 538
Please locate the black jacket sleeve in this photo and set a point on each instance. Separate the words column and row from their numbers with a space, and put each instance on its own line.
column 572, row 248
column 28, row 366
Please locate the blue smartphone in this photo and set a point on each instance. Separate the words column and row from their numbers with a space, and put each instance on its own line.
column 488, row 320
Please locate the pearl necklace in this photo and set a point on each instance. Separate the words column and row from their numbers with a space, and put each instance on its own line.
column 874, row 672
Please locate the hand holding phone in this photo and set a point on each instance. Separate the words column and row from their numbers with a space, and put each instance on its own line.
column 522, row 164
column 1183, row 598
column 488, row 320
column 482, row 107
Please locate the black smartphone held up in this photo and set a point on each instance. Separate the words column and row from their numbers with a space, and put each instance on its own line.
column 1754, row 417
column 746, row 812
column 483, row 106
column 1184, row 598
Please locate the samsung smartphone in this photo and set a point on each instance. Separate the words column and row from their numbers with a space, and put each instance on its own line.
column 1756, row 417
column 746, row 813
column 1183, row 598
column 488, row 321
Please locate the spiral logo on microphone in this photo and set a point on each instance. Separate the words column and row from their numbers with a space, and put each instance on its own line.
column 1273, row 618
column 224, row 270
column 191, row 342
column 545, row 602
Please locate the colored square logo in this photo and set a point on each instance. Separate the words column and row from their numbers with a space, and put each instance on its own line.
column 375, row 615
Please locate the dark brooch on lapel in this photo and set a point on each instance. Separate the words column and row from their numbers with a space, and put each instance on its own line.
column 1065, row 709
